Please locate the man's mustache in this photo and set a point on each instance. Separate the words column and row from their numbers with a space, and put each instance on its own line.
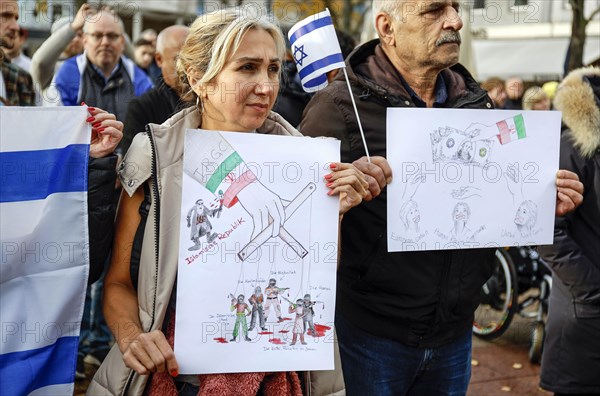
column 450, row 37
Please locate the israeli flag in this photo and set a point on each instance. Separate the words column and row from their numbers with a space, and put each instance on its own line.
column 44, row 236
column 315, row 49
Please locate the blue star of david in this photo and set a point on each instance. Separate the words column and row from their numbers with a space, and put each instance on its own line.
column 302, row 54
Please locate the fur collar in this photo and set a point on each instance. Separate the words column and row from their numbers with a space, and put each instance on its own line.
column 575, row 99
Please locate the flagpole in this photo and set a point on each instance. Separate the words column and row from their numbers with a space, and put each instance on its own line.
column 362, row 133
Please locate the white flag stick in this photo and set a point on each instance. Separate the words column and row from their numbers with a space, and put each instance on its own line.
column 362, row 133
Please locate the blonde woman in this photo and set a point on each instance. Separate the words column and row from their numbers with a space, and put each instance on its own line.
column 535, row 98
column 226, row 51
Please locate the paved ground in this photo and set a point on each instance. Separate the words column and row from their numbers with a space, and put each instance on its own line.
column 500, row 367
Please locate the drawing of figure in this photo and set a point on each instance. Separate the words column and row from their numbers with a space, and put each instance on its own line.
column 460, row 232
column 273, row 299
column 197, row 220
column 240, row 308
column 409, row 211
column 460, row 215
column 526, row 214
column 526, row 218
column 256, row 301
column 298, row 328
column 309, row 313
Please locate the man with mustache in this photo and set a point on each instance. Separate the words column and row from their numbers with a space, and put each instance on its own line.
column 101, row 76
column 16, row 85
column 403, row 320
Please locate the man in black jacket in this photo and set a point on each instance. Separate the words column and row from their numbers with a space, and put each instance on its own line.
column 403, row 320
column 160, row 103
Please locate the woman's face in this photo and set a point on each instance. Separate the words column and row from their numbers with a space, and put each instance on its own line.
column 414, row 214
column 522, row 216
column 461, row 213
column 243, row 93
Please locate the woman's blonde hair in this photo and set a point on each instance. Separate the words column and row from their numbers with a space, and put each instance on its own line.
column 214, row 37
column 532, row 96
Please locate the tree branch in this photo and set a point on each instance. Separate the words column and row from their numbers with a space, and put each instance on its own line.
column 594, row 13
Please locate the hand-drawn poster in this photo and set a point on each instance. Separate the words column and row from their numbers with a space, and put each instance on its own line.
column 471, row 178
column 257, row 254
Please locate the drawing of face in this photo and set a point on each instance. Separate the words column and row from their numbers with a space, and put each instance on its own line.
column 200, row 203
column 257, row 291
column 271, row 282
column 240, row 299
column 526, row 214
column 307, row 298
column 461, row 212
column 410, row 215
column 465, row 151
column 299, row 301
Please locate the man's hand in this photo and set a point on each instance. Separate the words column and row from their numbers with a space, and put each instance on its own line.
column 569, row 192
column 107, row 132
column 378, row 174
column 85, row 13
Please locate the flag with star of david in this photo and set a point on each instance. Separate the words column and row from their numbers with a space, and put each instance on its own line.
column 315, row 49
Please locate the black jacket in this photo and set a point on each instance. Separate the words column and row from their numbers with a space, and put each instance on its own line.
column 155, row 106
column 422, row 299
column 571, row 358
column 101, row 211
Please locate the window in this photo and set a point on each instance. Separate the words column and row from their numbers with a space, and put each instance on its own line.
column 479, row 4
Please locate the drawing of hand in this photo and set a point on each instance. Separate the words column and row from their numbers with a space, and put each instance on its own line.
column 483, row 130
column 513, row 180
column 264, row 207
column 466, row 192
column 412, row 185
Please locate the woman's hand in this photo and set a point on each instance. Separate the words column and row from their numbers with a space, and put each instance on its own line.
column 150, row 353
column 350, row 183
column 107, row 132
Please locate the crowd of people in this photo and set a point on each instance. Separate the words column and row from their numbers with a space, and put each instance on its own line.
column 403, row 320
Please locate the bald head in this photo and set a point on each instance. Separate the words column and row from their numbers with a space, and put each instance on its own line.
column 173, row 36
column 168, row 45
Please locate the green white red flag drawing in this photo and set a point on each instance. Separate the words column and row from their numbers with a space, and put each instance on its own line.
column 511, row 129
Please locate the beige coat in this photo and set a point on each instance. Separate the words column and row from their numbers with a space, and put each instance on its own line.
column 158, row 268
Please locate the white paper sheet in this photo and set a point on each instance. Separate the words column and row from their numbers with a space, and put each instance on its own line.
column 471, row 178
column 224, row 264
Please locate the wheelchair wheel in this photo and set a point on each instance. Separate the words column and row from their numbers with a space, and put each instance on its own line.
column 536, row 343
column 499, row 299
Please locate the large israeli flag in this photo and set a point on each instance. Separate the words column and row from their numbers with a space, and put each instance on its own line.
column 44, row 236
column 315, row 49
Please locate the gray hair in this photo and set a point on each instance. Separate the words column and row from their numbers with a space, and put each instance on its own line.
column 391, row 7
column 100, row 14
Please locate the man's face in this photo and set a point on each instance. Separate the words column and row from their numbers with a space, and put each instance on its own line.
column 426, row 33
column 9, row 15
column 144, row 54
column 103, row 41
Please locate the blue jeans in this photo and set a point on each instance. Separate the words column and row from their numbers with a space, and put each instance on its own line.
column 378, row 366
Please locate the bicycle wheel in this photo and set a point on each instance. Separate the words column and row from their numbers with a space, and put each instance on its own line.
column 499, row 299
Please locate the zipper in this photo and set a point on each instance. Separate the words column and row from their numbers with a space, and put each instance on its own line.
column 156, row 198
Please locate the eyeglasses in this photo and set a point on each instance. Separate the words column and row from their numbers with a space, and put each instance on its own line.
column 111, row 37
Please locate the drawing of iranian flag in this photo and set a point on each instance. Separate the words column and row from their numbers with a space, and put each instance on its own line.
column 511, row 129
